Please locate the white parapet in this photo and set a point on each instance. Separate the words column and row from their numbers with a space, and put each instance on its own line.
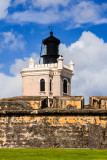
column 60, row 63
column 31, row 63
column 52, row 65
column 71, row 66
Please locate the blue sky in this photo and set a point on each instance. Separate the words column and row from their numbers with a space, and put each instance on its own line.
column 81, row 25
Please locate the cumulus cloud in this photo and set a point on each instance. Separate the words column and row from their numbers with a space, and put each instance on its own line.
column 11, row 41
column 4, row 4
column 12, row 85
column 89, row 54
column 22, row 63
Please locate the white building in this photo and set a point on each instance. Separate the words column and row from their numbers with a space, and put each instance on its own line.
column 51, row 78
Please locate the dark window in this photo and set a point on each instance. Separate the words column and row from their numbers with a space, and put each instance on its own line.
column 45, row 49
column 65, row 86
column 42, row 85
column 50, row 85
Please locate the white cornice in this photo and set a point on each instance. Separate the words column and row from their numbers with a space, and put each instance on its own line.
column 47, row 71
column 67, row 73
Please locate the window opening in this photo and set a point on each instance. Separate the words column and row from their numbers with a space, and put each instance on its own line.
column 65, row 86
column 50, row 85
column 42, row 85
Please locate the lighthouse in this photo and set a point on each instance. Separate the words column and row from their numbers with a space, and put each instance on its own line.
column 52, row 78
column 51, row 49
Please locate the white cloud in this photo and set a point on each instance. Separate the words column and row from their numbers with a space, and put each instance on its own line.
column 87, row 12
column 1, row 66
column 11, row 41
column 20, row 63
column 12, row 85
column 89, row 54
column 4, row 4
column 17, row 2
column 49, row 3
column 41, row 17
column 75, row 14
column 43, row 4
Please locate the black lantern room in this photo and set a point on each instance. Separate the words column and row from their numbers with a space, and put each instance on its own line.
column 51, row 49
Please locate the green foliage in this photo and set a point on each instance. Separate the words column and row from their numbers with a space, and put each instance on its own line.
column 52, row 154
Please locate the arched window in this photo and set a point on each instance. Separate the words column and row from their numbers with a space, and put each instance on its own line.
column 50, row 85
column 64, row 86
column 42, row 85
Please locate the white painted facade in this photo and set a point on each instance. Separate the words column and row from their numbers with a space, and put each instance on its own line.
column 57, row 72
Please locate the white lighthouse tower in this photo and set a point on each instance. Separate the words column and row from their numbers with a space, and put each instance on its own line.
column 51, row 78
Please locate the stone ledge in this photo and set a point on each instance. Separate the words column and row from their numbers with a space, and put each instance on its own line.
column 23, row 103
column 68, row 102
column 59, row 111
column 23, row 98
column 55, row 111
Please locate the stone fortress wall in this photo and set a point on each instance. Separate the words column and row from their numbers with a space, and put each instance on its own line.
column 29, row 122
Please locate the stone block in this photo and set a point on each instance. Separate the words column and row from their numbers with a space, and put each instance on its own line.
column 98, row 102
column 68, row 102
column 23, row 104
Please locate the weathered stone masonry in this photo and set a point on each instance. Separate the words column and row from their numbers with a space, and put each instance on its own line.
column 53, row 131
column 23, row 125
